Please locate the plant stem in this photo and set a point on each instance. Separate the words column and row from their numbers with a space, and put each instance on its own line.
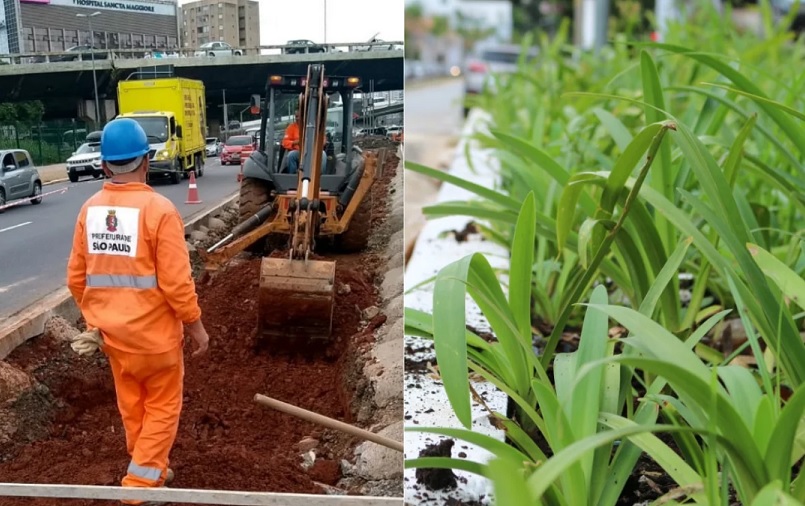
column 585, row 280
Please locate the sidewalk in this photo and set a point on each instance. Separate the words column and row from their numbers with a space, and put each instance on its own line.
column 53, row 173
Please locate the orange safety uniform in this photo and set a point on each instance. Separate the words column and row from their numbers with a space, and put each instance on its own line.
column 129, row 271
column 291, row 136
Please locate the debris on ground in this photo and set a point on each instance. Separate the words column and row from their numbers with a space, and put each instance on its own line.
column 434, row 478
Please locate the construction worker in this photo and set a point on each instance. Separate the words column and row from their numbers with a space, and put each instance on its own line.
column 129, row 271
column 291, row 143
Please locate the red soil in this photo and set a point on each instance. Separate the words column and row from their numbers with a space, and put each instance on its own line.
column 225, row 440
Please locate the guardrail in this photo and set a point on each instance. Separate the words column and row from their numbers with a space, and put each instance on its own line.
column 163, row 53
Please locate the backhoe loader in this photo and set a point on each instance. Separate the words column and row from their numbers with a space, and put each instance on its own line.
column 323, row 200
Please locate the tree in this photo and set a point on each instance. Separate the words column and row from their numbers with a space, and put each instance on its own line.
column 21, row 113
column 471, row 30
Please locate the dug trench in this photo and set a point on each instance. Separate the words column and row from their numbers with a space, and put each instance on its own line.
column 59, row 421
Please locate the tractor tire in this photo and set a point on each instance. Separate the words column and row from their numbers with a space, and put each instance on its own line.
column 254, row 195
column 356, row 237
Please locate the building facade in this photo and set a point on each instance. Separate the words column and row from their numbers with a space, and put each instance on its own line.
column 236, row 22
column 9, row 26
column 53, row 25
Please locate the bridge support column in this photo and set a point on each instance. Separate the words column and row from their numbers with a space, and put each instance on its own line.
column 86, row 111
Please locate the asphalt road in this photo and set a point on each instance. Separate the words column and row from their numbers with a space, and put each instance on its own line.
column 434, row 109
column 35, row 241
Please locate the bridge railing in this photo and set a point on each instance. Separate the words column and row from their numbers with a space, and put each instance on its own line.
column 196, row 52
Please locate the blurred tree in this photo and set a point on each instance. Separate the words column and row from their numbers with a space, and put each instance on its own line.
column 471, row 30
column 440, row 26
column 415, row 26
column 21, row 113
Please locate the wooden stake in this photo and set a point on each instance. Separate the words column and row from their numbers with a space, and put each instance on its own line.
column 328, row 422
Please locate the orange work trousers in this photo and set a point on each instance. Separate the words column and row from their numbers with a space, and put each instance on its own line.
column 149, row 397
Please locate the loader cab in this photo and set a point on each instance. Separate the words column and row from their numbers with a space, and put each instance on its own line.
column 276, row 116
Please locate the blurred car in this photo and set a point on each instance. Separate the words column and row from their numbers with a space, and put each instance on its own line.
column 300, row 46
column 393, row 130
column 236, row 148
column 85, row 161
column 383, row 46
column 19, row 178
column 377, row 131
column 491, row 60
column 217, row 48
column 83, row 52
column 213, row 146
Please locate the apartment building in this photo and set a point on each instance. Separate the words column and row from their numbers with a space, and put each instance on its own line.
column 236, row 22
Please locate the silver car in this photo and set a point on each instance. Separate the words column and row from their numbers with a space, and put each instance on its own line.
column 19, row 178
column 213, row 146
column 218, row 48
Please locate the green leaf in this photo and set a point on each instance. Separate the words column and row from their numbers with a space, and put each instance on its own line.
column 482, row 191
column 615, row 127
column 449, row 331
column 510, row 486
column 792, row 285
column 522, row 258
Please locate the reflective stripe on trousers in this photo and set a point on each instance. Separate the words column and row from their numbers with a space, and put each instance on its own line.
column 121, row 281
column 146, row 473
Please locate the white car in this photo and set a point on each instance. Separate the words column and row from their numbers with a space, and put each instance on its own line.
column 86, row 161
column 213, row 146
column 218, row 48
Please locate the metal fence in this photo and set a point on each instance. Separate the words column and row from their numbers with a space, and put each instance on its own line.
column 49, row 142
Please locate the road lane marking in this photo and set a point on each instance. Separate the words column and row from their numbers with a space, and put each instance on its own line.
column 6, row 288
column 28, row 199
column 15, row 226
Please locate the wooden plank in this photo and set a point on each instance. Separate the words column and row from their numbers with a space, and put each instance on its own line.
column 195, row 496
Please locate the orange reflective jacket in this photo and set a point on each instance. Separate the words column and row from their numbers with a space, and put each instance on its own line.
column 129, row 269
column 291, row 136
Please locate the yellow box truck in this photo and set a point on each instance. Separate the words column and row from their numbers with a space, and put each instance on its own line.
column 172, row 113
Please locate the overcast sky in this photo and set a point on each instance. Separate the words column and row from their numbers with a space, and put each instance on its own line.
column 281, row 21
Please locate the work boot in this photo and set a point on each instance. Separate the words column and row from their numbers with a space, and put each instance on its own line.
column 169, row 476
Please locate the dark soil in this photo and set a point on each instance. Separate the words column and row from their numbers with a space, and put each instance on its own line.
column 437, row 479
column 463, row 235
column 225, row 440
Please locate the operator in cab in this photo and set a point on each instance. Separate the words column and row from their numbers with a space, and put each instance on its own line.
column 291, row 144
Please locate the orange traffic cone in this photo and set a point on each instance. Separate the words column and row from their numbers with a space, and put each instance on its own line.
column 192, row 192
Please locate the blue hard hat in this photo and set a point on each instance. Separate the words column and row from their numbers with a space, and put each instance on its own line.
column 123, row 139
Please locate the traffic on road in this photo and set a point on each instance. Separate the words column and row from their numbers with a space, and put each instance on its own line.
column 37, row 233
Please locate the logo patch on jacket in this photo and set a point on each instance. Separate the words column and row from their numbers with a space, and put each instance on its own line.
column 112, row 230
column 111, row 221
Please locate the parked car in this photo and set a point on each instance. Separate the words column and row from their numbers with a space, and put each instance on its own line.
column 83, row 52
column 393, row 130
column 491, row 60
column 218, row 48
column 377, row 131
column 85, row 161
column 19, row 178
column 381, row 47
column 237, row 147
column 303, row 46
column 213, row 146
column 396, row 134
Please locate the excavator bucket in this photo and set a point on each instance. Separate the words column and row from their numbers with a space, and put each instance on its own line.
column 296, row 300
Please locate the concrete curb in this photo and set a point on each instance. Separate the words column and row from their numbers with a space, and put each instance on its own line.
column 30, row 322
column 55, row 181
column 426, row 403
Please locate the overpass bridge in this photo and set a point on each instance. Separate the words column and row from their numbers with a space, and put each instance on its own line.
column 67, row 86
